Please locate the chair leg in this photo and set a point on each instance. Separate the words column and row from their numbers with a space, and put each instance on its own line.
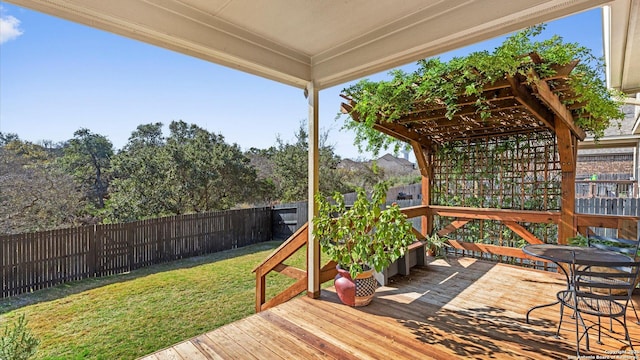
column 576, row 315
column 600, row 329
column 560, row 322
column 586, row 331
column 635, row 312
column 628, row 338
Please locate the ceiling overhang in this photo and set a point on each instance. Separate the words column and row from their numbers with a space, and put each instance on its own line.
column 621, row 21
column 328, row 42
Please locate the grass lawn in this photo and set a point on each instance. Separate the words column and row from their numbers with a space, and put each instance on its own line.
column 130, row 315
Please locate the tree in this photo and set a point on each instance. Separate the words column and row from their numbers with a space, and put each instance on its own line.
column 214, row 175
column 35, row 194
column 291, row 167
column 140, row 187
column 87, row 157
column 6, row 138
column 192, row 170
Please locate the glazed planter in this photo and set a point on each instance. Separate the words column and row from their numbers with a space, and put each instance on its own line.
column 358, row 291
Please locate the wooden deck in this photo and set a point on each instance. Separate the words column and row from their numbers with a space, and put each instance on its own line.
column 462, row 308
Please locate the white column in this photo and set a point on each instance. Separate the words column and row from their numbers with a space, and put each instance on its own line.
column 313, row 247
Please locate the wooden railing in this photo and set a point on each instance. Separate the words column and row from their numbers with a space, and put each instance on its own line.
column 510, row 218
column 626, row 226
column 275, row 262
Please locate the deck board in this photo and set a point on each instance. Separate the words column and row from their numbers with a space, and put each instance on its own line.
column 459, row 308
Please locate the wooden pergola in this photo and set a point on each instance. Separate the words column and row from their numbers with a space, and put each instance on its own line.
column 517, row 106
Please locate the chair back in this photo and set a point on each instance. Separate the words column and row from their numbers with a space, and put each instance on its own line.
column 604, row 279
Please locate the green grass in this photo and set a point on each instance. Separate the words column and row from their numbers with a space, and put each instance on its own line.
column 130, row 315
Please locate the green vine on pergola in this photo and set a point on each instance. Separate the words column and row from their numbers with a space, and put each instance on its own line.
column 443, row 84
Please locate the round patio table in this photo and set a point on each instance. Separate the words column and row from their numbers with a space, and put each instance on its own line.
column 564, row 254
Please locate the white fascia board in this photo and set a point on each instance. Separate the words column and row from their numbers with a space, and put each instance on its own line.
column 606, row 42
column 615, row 31
column 610, row 142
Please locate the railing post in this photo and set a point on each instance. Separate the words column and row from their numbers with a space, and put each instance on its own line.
column 260, row 289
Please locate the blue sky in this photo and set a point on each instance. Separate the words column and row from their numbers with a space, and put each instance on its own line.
column 57, row 76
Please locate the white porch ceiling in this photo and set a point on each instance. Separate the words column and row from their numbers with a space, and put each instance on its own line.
column 329, row 42
column 622, row 45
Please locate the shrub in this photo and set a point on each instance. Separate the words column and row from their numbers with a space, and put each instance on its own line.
column 17, row 342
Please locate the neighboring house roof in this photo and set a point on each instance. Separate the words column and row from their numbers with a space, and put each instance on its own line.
column 623, row 134
column 399, row 161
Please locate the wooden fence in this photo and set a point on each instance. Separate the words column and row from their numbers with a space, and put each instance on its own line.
column 35, row 261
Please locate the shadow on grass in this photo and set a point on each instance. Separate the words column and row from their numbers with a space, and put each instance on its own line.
column 75, row 287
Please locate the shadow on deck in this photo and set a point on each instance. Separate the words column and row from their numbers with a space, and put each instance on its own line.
column 459, row 308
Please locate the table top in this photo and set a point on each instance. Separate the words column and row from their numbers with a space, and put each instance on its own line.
column 564, row 253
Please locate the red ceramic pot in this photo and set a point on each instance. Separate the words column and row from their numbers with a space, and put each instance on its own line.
column 355, row 293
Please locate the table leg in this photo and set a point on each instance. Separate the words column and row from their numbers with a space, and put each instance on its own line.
column 566, row 275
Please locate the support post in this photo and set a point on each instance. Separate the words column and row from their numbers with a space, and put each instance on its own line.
column 567, row 149
column 313, row 247
column 425, row 165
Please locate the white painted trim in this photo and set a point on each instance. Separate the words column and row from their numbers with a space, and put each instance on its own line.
column 313, row 247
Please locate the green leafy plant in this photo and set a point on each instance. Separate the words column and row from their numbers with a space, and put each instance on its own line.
column 437, row 244
column 578, row 240
column 443, row 83
column 365, row 235
column 17, row 342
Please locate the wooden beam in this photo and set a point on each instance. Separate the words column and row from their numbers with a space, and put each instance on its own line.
column 424, row 158
column 525, row 98
column 493, row 249
column 285, row 250
column 418, row 234
column 415, row 211
column 544, row 217
column 397, row 131
column 603, row 221
column 453, row 226
column 440, row 117
column 290, row 271
column 523, row 233
column 328, row 272
column 567, row 150
column 400, row 132
column 553, row 102
column 291, row 292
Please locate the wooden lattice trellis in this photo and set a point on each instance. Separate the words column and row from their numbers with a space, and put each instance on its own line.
column 512, row 172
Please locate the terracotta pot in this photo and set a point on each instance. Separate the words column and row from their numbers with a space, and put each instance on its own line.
column 355, row 293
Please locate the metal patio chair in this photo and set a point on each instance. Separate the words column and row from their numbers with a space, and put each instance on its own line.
column 599, row 289
column 623, row 246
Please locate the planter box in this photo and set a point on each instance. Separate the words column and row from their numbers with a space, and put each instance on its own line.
column 416, row 256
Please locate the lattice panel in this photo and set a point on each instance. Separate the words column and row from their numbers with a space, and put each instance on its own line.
column 514, row 172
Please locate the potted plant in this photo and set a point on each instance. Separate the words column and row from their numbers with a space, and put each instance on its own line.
column 360, row 239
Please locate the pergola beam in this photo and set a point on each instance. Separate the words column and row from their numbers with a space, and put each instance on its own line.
column 524, row 97
column 392, row 129
column 559, row 109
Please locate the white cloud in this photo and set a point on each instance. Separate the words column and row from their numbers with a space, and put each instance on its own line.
column 9, row 27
